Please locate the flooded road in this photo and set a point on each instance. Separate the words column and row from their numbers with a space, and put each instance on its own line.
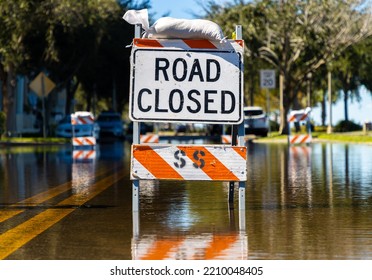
column 310, row 202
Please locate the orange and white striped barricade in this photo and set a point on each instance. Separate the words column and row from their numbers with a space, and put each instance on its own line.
column 300, row 116
column 300, row 139
column 82, row 118
column 203, row 163
column 226, row 139
column 149, row 138
column 83, row 141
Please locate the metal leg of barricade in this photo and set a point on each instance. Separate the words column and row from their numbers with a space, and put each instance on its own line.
column 234, row 134
column 135, row 183
column 241, row 142
column 136, row 140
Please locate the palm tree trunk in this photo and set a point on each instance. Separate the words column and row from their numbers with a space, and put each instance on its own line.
column 346, row 111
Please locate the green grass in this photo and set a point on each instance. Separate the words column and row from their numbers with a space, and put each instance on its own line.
column 348, row 137
column 357, row 137
column 34, row 140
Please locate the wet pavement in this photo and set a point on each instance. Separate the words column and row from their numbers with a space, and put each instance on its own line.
column 310, row 202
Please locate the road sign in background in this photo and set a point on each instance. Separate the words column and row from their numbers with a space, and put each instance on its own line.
column 267, row 79
column 184, row 83
column 42, row 83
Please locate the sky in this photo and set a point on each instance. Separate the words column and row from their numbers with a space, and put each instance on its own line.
column 358, row 112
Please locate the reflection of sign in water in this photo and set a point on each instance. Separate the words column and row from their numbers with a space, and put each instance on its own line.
column 299, row 168
column 191, row 247
column 218, row 163
column 84, row 155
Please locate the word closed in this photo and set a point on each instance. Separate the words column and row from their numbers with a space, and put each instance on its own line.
column 173, row 85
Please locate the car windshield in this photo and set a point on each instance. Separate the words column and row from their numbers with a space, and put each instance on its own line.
column 66, row 119
column 253, row 113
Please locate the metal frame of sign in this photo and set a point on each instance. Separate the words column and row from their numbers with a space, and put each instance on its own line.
column 237, row 140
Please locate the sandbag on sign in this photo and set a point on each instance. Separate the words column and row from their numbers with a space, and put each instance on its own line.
column 172, row 28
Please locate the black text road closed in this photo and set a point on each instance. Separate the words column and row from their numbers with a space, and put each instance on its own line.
column 186, row 85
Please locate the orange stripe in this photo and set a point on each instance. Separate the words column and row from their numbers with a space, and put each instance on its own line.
column 303, row 140
column 155, row 164
column 214, row 168
column 87, row 156
column 89, row 141
column 147, row 43
column 291, row 119
column 77, row 141
column 85, row 120
column 218, row 245
column 294, row 139
column 145, row 138
column 226, row 139
column 78, row 154
column 240, row 42
column 304, row 116
column 242, row 151
column 161, row 249
column 199, row 44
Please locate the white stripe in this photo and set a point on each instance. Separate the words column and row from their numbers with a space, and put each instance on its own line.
column 140, row 171
column 176, row 44
column 233, row 161
column 188, row 172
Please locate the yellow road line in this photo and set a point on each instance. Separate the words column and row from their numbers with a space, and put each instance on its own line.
column 5, row 215
column 13, row 239
column 42, row 197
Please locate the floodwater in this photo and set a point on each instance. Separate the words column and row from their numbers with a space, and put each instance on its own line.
column 305, row 202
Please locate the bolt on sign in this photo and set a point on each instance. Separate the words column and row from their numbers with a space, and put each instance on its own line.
column 179, row 80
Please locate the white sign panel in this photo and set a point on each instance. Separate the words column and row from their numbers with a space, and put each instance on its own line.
column 267, row 79
column 178, row 85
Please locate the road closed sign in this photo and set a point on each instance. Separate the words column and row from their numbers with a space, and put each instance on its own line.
column 187, row 81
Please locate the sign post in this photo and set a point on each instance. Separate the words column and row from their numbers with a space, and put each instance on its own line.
column 42, row 86
column 267, row 81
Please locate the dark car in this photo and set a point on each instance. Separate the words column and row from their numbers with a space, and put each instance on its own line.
column 110, row 124
column 255, row 121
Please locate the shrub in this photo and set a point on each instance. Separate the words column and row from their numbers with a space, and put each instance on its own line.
column 346, row 126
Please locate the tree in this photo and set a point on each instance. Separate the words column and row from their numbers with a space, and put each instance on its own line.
column 347, row 72
column 366, row 66
column 62, row 37
column 298, row 36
